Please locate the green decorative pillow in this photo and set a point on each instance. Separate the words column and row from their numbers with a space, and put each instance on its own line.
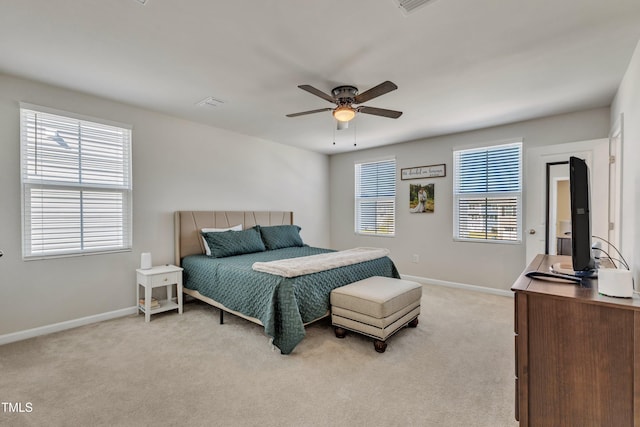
column 281, row 236
column 229, row 243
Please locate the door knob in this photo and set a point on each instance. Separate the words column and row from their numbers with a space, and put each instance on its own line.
column 532, row 231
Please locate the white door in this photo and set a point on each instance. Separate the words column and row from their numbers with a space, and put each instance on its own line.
column 596, row 154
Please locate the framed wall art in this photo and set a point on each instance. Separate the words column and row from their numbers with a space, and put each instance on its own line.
column 431, row 171
column 422, row 198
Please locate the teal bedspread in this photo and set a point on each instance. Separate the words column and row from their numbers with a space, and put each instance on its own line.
column 283, row 305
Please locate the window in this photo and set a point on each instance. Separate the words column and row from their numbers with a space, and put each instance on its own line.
column 376, row 198
column 76, row 184
column 487, row 193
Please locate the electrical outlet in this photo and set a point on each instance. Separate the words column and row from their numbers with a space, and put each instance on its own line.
column 415, row 258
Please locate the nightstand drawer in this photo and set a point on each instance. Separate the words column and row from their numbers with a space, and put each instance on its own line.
column 164, row 279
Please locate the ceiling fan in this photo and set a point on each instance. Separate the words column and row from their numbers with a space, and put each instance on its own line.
column 345, row 96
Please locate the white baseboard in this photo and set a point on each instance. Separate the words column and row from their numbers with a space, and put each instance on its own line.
column 69, row 324
column 484, row 289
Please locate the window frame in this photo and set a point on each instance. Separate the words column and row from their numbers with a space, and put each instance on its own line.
column 99, row 193
column 359, row 199
column 517, row 194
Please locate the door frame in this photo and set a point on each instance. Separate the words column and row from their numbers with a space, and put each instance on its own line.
column 616, row 140
column 534, row 220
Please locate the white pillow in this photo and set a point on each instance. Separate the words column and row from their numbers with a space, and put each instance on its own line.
column 207, row 250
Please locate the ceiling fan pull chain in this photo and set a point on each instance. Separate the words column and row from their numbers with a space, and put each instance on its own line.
column 355, row 128
column 334, row 132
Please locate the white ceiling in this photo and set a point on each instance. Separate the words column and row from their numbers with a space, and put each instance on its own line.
column 459, row 64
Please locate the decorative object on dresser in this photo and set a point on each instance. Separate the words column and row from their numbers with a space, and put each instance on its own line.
column 228, row 281
column 576, row 352
column 377, row 307
column 154, row 277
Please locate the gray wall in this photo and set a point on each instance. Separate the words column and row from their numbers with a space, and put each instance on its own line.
column 182, row 165
column 627, row 103
column 430, row 235
column 176, row 165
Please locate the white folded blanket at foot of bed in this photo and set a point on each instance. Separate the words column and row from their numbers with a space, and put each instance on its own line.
column 293, row 267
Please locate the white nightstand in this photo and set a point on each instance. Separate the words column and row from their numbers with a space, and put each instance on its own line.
column 164, row 275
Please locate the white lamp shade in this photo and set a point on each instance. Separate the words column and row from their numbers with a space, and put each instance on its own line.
column 344, row 113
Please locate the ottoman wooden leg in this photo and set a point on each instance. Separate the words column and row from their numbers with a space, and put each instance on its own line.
column 340, row 332
column 380, row 346
column 413, row 323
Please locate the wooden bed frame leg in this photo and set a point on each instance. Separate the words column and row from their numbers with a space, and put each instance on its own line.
column 340, row 332
column 221, row 316
column 413, row 323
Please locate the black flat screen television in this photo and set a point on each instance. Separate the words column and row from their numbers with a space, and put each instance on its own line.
column 581, row 256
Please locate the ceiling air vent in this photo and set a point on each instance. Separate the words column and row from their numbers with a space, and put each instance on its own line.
column 410, row 6
column 210, row 101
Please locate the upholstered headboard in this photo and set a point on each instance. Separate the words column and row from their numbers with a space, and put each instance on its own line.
column 188, row 224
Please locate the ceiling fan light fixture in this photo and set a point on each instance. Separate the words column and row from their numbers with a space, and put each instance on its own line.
column 344, row 113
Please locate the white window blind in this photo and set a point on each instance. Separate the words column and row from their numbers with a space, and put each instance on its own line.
column 76, row 184
column 487, row 193
column 375, row 197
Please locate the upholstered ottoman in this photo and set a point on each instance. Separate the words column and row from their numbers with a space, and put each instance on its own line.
column 377, row 307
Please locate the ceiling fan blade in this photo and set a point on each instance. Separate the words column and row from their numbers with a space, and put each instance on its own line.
column 317, row 92
column 309, row 112
column 375, row 92
column 392, row 114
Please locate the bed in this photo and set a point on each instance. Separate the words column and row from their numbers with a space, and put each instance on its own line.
column 282, row 305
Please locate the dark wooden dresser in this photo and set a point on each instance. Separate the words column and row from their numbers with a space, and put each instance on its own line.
column 577, row 353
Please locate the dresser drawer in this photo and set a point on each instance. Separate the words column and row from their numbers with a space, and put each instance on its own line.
column 164, row 279
column 517, row 408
